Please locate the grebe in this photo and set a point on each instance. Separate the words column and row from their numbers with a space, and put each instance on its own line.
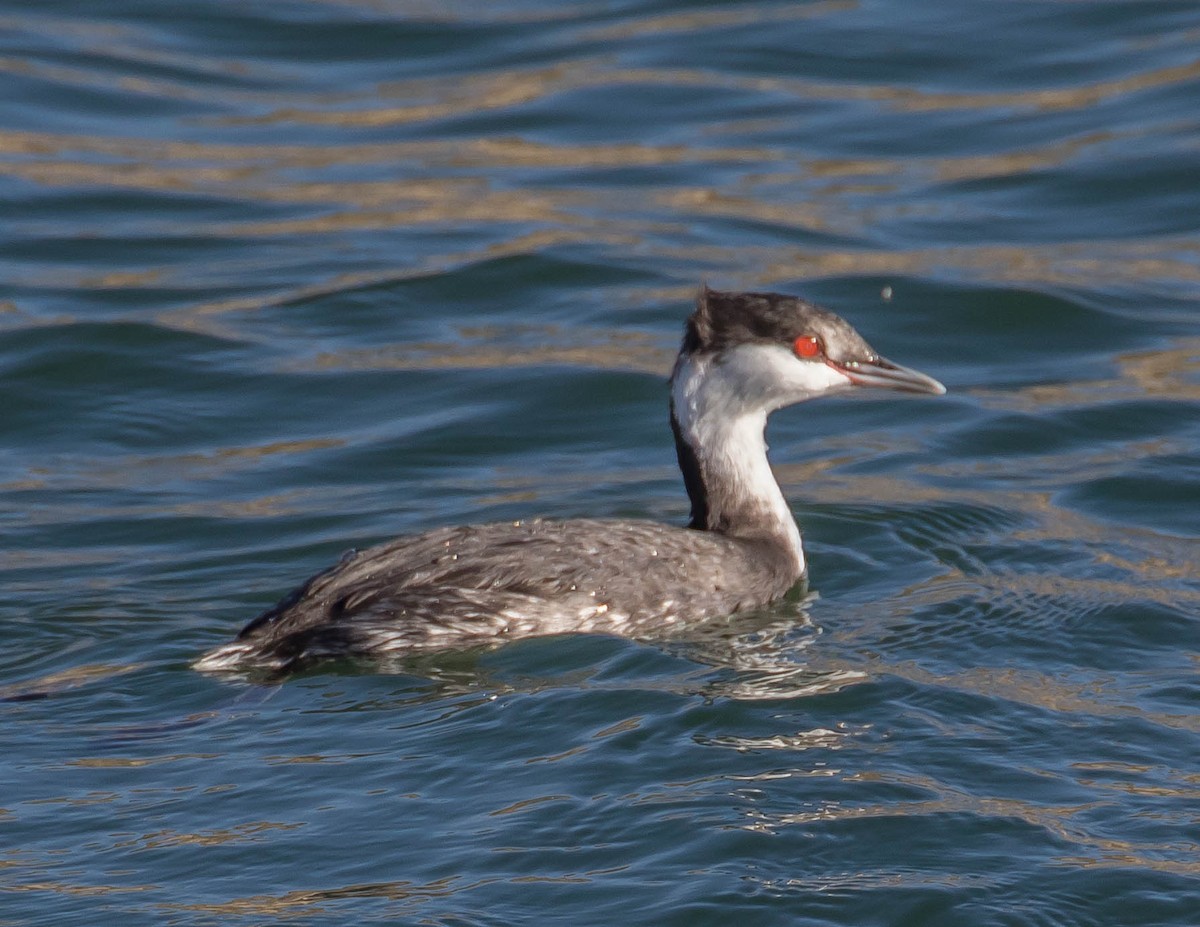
column 743, row 356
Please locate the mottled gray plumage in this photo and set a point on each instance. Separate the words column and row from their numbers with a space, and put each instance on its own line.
column 479, row 584
column 484, row 583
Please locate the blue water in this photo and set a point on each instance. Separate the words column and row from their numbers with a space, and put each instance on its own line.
column 279, row 279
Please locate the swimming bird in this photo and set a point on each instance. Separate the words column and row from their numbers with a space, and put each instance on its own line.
column 743, row 356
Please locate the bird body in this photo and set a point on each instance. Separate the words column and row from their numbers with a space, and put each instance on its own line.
column 744, row 355
column 481, row 584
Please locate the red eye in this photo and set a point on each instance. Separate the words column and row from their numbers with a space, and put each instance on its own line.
column 808, row 346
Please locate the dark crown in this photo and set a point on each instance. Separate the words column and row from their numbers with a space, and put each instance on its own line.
column 723, row 321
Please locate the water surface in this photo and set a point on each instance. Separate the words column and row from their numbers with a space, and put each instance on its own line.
column 284, row 278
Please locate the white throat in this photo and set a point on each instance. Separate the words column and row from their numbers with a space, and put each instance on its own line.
column 721, row 407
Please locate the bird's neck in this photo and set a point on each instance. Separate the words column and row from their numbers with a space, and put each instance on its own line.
column 720, row 440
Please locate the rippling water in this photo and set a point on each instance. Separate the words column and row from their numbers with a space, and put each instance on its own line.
column 283, row 278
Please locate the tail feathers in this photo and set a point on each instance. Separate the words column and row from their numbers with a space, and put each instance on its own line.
column 233, row 656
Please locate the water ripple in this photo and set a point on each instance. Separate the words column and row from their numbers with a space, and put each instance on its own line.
column 282, row 279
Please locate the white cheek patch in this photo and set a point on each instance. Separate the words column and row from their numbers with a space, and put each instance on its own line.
column 752, row 380
column 771, row 376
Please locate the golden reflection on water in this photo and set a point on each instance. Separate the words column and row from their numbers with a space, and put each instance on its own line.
column 1096, row 695
column 480, row 93
column 124, row 762
column 514, row 347
column 1068, row 823
column 461, row 181
column 76, row 890
column 62, row 680
column 248, row 833
column 310, row 902
column 719, row 18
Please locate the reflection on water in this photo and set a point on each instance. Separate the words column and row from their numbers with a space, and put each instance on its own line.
column 512, row 346
column 47, row 685
column 282, row 279
column 820, row 197
column 853, row 214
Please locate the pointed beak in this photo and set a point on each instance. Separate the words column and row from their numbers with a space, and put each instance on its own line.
column 880, row 372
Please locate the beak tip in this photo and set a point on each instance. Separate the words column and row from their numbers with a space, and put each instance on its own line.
column 883, row 373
